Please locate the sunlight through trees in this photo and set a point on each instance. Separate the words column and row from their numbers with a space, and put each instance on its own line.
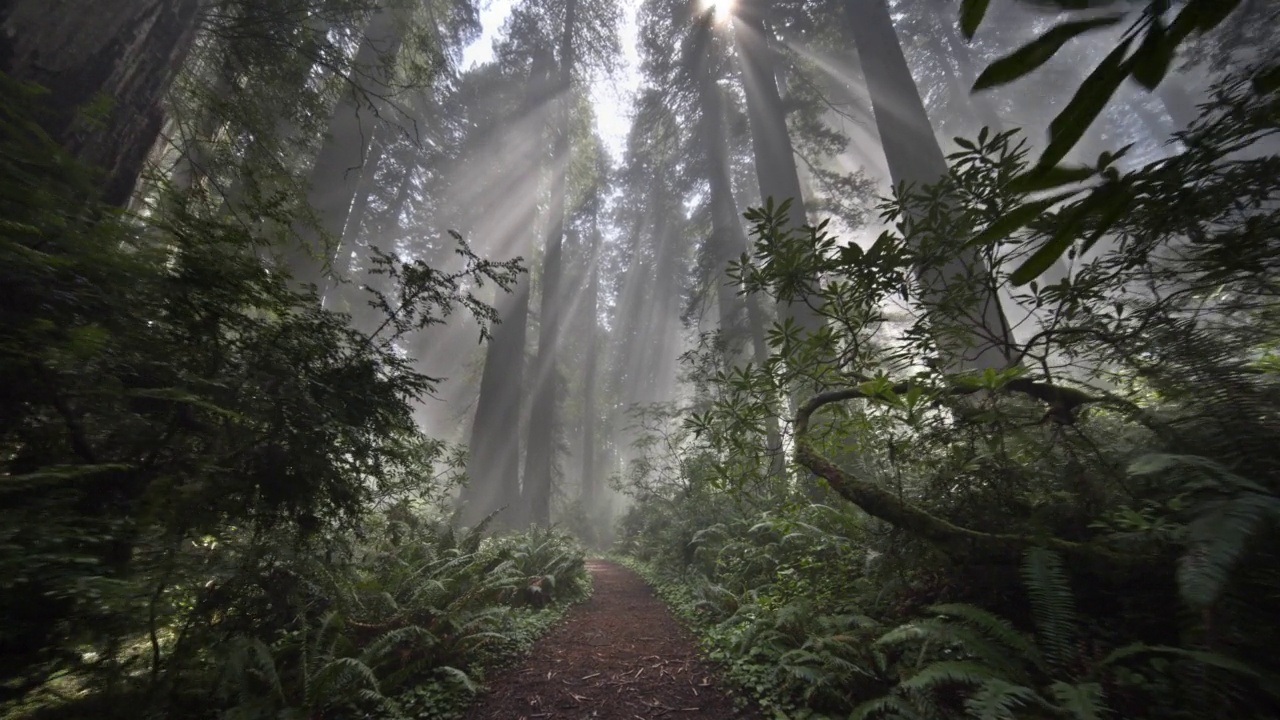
column 921, row 353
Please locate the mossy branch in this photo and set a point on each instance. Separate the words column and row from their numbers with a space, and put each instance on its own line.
column 960, row 544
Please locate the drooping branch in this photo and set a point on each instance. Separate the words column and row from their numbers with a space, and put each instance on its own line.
column 959, row 543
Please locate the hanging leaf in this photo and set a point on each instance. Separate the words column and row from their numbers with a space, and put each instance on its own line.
column 1107, row 203
column 1049, row 178
column 1268, row 81
column 1016, row 219
column 1037, row 52
column 1070, row 124
column 971, row 14
column 1113, row 205
column 1151, row 61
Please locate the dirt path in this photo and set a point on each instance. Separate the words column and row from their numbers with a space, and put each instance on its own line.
column 619, row 656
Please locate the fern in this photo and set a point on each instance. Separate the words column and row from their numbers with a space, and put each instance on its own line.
column 1219, row 533
column 889, row 706
column 1052, row 605
column 990, row 624
column 949, row 672
column 1083, row 701
column 997, row 700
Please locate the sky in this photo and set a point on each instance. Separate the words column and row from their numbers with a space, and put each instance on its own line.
column 611, row 97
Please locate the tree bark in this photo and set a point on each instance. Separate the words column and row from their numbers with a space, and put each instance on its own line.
column 335, row 176
column 770, row 143
column 590, row 474
column 914, row 157
column 540, row 458
column 727, row 239
column 124, row 52
column 493, row 466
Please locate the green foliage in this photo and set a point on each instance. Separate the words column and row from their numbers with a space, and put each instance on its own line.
column 969, row 658
column 1147, row 61
column 214, row 488
column 1133, row 433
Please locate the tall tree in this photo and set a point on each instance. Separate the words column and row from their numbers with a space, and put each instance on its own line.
column 493, row 467
column 336, row 173
column 107, row 65
column 775, row 160
column 590, row 470
column 727, row 238
column 540, row 457
column 586, row 38
column 915, row 158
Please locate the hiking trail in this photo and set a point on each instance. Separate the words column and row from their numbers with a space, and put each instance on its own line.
column 618, row 656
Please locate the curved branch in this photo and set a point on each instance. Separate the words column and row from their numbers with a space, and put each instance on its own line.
column 961, row 544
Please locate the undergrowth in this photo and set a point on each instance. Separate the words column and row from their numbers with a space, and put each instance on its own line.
column 1087, row 530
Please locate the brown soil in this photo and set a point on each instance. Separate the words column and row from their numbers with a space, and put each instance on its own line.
column 618, row 656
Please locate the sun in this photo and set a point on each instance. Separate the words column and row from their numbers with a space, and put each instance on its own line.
column 721, row 9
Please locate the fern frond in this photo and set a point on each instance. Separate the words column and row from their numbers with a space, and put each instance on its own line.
column 1052, row 605
column 459, row 677
column 1082, row 702
column 990, row 624
column 375, row 651
column 339, row 677
column 1218, row 538
column 949, row 672
column 889, row 706
column 1216, row 660
column 997, row 699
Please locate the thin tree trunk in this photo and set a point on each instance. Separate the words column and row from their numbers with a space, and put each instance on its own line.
column 590, row 473
column 126, row 52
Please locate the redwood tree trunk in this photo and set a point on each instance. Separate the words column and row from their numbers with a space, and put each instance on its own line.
column 770, row 142
column 121, row 52
column 590, row 475
column 493, row 465
column 727, row 238
column 540, row 457
column 914, row 157
column 335, row 176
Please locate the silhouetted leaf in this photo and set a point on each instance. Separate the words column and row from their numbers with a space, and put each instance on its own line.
column 1016, row 219
column 1110, row 208
column 1050, row 177
column 1037, row 52
column 1151, row 61
column 1070, row 124
column 1268, row 81
column 971, row 14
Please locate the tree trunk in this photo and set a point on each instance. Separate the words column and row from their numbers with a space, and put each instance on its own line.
column 335, row 176
column 356, row 253
column 590, row 474
column 493, row 466
column 957, row 70
column 914, row 157
column 770, row 143
column 727, row 238
column 540, row 458
column 126, row 52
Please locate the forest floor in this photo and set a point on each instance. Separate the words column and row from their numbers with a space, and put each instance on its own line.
column 618, row 656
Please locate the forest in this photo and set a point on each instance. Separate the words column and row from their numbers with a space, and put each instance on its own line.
column 821, row 359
